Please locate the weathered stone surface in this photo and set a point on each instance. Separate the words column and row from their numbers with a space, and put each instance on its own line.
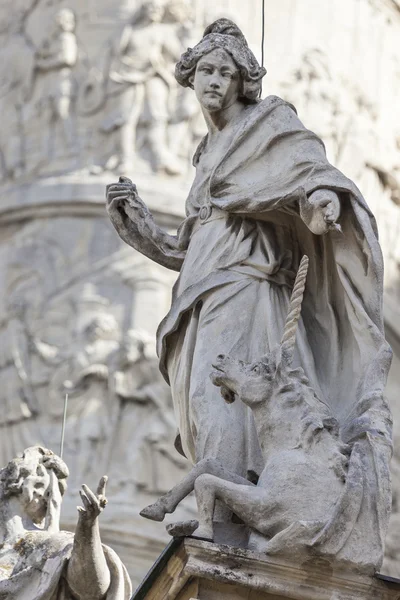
column 78, row 98
column 70, row 292
column 264, row 194
column 52, row 189
column 39, row 561
column 205, row 571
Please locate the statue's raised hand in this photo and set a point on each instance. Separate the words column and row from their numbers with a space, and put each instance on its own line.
column 93, row 504
column 87, row 573
column 136, row 226
column 124, row 195
column 320, row 211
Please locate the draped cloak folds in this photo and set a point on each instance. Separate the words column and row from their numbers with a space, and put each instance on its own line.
column 273, row 162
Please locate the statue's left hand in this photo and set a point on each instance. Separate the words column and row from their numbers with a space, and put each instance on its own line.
column 320, row 210
column 93, row 504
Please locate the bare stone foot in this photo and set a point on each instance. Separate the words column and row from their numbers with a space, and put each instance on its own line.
column 154, row 512
column 182, row 528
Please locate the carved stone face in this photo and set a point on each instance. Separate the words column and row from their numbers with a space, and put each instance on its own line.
column 34, row 492
column 154, row 10
column 216, row 82
column 66, row 20
column 178, row 10
column 131, row 351
column 101, row 327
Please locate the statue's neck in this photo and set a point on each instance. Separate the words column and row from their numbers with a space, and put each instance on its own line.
column 219, row 120
column 13, row 522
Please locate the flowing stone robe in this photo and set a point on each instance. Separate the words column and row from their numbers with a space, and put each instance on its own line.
column 232, row 296
column 241, row 244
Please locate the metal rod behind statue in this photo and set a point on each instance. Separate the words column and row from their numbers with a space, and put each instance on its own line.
column 63, row 425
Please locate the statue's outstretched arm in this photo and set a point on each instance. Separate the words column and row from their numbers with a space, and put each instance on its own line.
column 88, row 574
column 136, row 226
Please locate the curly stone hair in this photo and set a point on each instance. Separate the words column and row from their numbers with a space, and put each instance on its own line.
column 224, row 34
column 12, row 476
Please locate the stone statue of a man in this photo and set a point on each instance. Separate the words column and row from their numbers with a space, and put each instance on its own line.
column 39, row 561
column 264, row 195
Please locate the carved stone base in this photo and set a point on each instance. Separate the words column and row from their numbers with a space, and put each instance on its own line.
column 191, row 569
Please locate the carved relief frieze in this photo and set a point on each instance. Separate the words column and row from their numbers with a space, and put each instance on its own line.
column 75, row 98
column 69, row 327
column 356, row 139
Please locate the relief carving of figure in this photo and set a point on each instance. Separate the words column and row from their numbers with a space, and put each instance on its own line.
column 16, row 82
column 39, row 561
column 18, row 402
column 55, row 85
column 338, row 111
column 313, row 90
column 83, row 373
column 19, row 408
column 142, row 81
column 141, row 450
column 264, row 195
column 31, row 273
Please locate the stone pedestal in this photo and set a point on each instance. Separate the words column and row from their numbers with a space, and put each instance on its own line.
column 191, row 569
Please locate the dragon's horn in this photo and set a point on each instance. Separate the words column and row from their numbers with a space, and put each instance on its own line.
column 292, row 319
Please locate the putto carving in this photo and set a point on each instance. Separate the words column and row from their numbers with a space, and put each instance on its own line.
column 36, row 558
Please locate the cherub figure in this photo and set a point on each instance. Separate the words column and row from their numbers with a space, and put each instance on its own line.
column 35, row 556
